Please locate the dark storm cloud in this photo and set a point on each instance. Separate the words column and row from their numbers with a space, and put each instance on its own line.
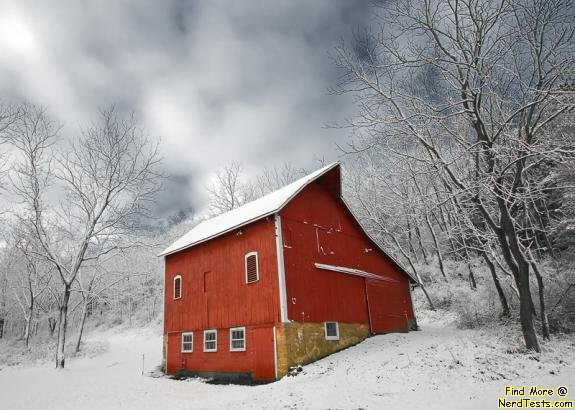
column 216, row 80
column 172, row 198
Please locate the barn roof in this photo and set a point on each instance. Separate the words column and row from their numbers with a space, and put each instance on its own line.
column 245, row 214
column 255, row 210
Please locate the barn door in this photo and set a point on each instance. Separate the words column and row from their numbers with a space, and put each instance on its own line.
column 387, row 306
column 264, row 356
column 174, row 356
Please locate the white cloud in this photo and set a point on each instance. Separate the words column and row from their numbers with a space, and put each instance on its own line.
column 216, row 80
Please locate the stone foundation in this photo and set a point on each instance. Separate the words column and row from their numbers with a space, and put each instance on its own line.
column 303, row 343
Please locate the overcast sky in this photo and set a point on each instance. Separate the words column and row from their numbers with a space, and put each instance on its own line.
column 215, row 80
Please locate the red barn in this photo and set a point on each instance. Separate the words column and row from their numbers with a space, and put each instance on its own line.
column 283, row 280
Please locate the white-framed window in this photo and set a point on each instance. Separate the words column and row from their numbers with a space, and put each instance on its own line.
column 237, row 339
column 252, row 268
column 177, row 287
column 210, row 340
column 187, row 342
column 331, row 330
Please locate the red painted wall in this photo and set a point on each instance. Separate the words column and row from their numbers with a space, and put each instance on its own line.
column 316, row 227
column 258, row 358
column 215, row 296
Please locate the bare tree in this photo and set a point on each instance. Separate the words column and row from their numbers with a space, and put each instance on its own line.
column 9, row 114
column 93, row 282
column 229, row 190
column 106, row 179
column 466, row 87
column 30, row 280
column 379, row 207
column 276, row 177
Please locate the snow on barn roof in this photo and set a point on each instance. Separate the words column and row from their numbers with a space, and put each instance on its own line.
column 245, row 214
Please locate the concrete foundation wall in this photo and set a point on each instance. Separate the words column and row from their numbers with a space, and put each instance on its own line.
column 302, row 343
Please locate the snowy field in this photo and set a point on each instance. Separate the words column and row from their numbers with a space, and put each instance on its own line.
column 439, row 367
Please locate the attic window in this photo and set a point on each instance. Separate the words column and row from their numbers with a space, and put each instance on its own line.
column 331, row 330
column 252, row 269
column 177, row 287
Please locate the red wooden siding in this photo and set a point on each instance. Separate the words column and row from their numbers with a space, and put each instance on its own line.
column 258, row 358
column 318, row 228
column 215, row 296
column 214, row 289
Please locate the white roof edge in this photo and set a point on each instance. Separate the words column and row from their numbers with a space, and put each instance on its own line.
column 164, row 253
column 303, row 183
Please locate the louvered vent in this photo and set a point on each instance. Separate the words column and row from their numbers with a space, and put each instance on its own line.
column 177, row 287
column 252, row 267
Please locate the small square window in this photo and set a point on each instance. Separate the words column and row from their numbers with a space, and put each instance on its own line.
column 187, row 342
column 331, row 330
column 210, row 341
column 237, row 339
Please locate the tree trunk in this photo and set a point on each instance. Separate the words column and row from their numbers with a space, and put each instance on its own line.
column 51, row 325
column 26, row 337
column 28, row 317
column 471, row 275
column 81, row 327
column 437, row 248
column 36, row 322
column 431, row 305
column 502, row 297
column 63, row 321
column 410, row 240
column 515, row 259
column 542, row 312
column 526, row 314
column 422, row 286
column 418, row 234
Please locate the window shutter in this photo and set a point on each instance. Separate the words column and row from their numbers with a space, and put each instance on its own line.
column 252, row 268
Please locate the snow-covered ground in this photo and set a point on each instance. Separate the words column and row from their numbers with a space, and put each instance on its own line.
column 439, row 367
